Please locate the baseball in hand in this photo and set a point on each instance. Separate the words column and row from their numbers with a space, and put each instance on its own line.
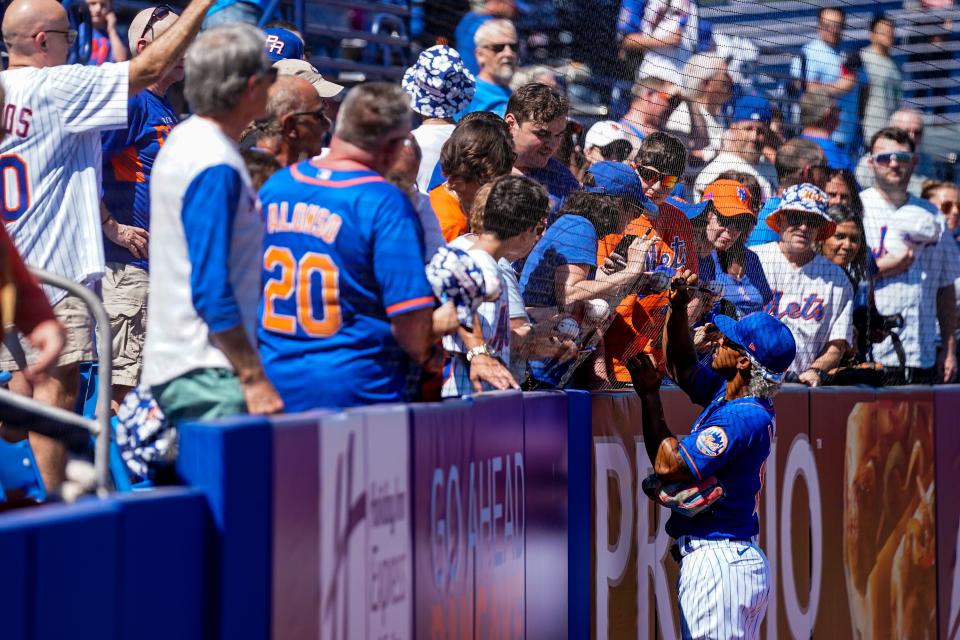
column 596, row 310
column 568, row 328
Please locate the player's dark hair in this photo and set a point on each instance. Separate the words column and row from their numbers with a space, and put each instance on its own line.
column 606, row 213
column 515, row 204
column 479, row 149
column 663, row 152
column 892, row 133
column 793, row 157
column 537, row 102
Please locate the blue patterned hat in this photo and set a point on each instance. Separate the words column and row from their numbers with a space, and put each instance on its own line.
column 455, row 277
column 439, row 85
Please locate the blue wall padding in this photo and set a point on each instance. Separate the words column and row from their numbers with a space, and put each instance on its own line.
column 163, row 576
column 14, row 580
column 231, row 461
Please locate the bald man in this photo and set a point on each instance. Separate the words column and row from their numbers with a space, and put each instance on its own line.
column 50, row 158
column 911, row 121
column 128, row 156
column 295, row 123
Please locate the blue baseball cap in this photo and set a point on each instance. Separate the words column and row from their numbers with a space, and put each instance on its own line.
column 766, row 341
column 618, row 179
column 690, row 209
column 756, row 108
column 283, row 45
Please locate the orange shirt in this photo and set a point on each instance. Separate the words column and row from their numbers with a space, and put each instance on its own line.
column 638, row 324
column 453, row 221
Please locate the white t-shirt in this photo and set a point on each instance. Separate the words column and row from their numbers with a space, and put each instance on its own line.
column 815, row 301
column 430, row 137
column 764, row 172
column 178, row 339
column 913, row 294
column 50, row 161
column 494, row 321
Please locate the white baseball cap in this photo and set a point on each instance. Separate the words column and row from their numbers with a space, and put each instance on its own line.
column 606, row 131
column 659, row 67
column 302, row 68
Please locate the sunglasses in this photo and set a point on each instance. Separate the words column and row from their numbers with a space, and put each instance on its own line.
column 949, row 206
column 69, row 34
column 158, row 14
column 902, row 157
column 318, row 114
column 796, row 219
column 651, row 176
column 734, row 223
column 498, row 48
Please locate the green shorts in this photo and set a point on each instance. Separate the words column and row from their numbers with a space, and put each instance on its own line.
column 201, row 394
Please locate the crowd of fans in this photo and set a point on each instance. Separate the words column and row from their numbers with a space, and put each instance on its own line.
column 293, row 245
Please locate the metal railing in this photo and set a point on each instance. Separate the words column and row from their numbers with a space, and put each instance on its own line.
column 65, row 426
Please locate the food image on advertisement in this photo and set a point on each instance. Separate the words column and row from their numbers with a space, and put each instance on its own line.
column 889, row 530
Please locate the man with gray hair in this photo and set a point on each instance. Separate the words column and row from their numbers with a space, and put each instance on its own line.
column 498, row 55
column 295, row 124
column 199, row 359
column 128, row 157
column 358, row 310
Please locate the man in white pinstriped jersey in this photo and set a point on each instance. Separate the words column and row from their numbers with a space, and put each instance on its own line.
column 50, row 167
column 724, row 576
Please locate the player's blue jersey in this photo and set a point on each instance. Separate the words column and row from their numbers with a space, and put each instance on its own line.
column 343, row 253
column 128, row 156
column 730, row 440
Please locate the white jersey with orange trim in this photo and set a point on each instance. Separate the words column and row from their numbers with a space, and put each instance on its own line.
column 50, row 160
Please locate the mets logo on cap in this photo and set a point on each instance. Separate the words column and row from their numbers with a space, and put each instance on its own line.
column 712, row 441
column 742, row 195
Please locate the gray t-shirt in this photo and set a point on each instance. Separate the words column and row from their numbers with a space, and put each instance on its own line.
column 886, row 90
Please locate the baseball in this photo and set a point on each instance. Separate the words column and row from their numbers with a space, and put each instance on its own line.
column 568, row 328
column 597, row 309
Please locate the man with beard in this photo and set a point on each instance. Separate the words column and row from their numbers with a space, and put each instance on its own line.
column 811, row 295
column 743, row 147
column 915, row 281
column 498, row 57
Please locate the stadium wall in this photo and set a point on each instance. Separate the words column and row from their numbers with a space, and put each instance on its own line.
column 500, row 516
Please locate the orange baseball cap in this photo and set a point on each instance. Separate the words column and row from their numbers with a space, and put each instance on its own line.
column 730, row 198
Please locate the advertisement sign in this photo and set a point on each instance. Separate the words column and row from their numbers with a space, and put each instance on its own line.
column 947, row 464
column 342, row 556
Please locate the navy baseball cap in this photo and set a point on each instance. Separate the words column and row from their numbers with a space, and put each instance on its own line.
column 618, row 179
column 756, row 108
column 283, row 45
column 766, row 341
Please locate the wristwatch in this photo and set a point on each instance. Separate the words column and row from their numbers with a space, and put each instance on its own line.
column 481, row 350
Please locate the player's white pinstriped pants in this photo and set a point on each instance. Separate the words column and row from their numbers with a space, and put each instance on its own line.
column 724, row 586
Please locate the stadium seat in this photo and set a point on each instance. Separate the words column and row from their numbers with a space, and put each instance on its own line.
column 19, row 474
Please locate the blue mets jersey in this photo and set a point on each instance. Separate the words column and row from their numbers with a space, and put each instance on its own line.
column 128, row 157
column 730, row 440
column 343, row 253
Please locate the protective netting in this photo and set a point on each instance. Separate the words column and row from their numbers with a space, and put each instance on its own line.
column 762, row 97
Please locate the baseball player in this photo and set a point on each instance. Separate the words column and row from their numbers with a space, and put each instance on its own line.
column 724, row 576
column 50, row 159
